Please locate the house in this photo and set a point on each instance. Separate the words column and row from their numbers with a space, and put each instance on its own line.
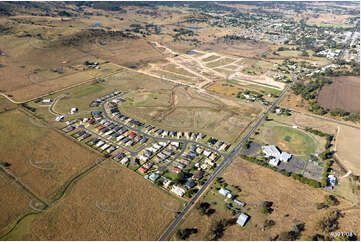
column 73, row 110
column 166, row 183
column 274, row 162
column 178, row 190
column 143, row 169
column 206, row 153
column 100, row 143
column 242, row 204
column 198, row 175
column 154, row 177
column 105, row 146
column 47, row 100
column 224, row 192
column 176, row 170
column 242, row 219
column 124, row 161
column 332, row 179
column 59, row 118
column 190, row 184
column 131, row 135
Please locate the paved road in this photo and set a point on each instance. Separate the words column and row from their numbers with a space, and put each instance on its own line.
column 227, row 160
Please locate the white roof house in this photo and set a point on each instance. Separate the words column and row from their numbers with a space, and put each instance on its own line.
column 242, row 219
column 59, row 118
column 47, row 101
column 224, row 191
column 99, row 143
column 178, row 190
column 73, row 110
column 124, row 161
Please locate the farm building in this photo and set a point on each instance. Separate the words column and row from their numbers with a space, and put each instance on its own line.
column 242, row 219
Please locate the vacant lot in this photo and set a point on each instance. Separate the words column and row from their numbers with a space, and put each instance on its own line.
column 107, row 205
column 41, row 158
column 343, row 93
column 293, row 202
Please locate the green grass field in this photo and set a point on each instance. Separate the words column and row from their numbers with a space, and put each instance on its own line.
column 292, row 140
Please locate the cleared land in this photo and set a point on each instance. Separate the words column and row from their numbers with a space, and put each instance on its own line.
column 42, row 158
column 105, row 205
column 343, row 93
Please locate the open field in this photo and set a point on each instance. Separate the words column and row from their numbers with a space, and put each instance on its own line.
column 292, row 202
column 104, row 205
column 348, row 148
column 232, row 88
column 5, row 104
column 42, row 158
column 343, row 93
column 184, row 109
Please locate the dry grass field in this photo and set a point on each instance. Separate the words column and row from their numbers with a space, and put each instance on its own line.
column 292, row 202
column 343, row 93
column 41, row 158
column 14, row 200
column 105, row 205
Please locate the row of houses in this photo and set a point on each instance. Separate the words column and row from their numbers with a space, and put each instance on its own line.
column 98, row 101
column 117, row 133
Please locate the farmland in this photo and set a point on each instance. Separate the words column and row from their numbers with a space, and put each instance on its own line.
column 343, row 93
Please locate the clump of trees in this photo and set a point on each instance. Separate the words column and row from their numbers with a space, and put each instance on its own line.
column 183, row 234
column 266, row 207
column 204, row 208
column 329, row 222
column 217, row 228
column 293, row 233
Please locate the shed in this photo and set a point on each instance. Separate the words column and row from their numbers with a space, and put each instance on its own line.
column 242, row 219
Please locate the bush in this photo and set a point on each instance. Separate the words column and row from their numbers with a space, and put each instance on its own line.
column 329, row 222
column 321, row 205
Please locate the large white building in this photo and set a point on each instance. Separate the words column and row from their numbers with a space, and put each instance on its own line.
column 277, row 156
